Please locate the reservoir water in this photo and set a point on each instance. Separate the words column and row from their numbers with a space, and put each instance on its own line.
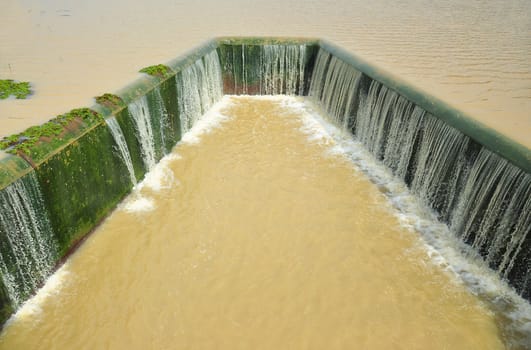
column 257, row 231
column 473, row 54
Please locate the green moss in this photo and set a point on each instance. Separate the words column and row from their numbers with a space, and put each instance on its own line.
column 111, row 101
column 159, row 70
column 37, row 141
column 9, row 87
column 11, row 169
column 81, row 185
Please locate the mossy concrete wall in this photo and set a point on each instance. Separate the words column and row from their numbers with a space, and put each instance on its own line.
column 81, row 175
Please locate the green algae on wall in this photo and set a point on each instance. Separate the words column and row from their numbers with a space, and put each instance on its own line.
column 11, row 169
column 160, row 70
column 37, row 142
column 111, row 102
column 81, row 184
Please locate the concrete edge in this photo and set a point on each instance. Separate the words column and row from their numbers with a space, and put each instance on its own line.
column 253, row 40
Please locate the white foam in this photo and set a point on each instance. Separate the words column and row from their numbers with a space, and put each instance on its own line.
column 31, row 310
column 211, row 120
column 138, row 204
column 161, row 176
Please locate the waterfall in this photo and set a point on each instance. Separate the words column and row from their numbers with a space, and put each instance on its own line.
column 28, row 249
column 140, row 114
column 214, row 82
column 164, row 121
column 270, row 69
column 335, row 84
column 484, row 199
column 282, row 69
column 404, row 133
column 420, row 149
column 199, row 86
column 244, row 72
column 374, row 117
column 122, row 148
column 494, row 216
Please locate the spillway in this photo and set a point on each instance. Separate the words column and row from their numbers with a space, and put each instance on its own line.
column 470, row 180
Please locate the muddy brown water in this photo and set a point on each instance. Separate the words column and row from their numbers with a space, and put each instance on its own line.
column 253, row 235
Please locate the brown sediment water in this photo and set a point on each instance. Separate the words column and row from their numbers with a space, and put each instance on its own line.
column 472, row 54
column 256, row 236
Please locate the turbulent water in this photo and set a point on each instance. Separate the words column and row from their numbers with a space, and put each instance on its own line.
column 215, row 258
column 28, row 251
column 472, row 53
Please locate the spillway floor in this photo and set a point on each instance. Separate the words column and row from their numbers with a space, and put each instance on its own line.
column 253, row 234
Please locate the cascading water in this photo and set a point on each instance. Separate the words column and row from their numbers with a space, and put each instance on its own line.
column 421, row 149
column 199, row 86
column 28, row 249
column 213, row 80
column 484, row 199
column 122, row 148
column 494, row 216
column 270, row 69
column 164, row 122
column 440, row 165
column 140, row 114
column 282, row 69
column 332, row 76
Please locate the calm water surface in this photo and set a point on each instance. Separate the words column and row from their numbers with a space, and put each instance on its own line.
column 255, row 238
column 475, row 54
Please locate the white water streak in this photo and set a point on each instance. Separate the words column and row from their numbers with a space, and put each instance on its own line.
column 28, row 256
column 164, row 121
column 282, row 69
column 199, row 86
column 122, row 148
column 140, row 114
